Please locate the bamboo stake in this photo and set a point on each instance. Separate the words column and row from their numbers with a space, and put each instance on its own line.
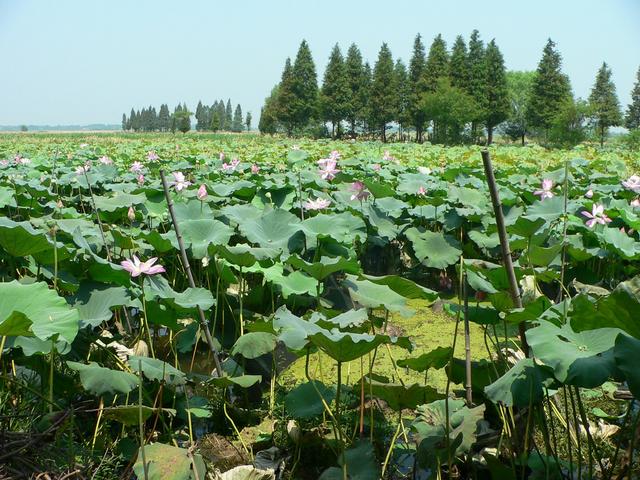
column 467, row 341
column 504, row 244
column 204, row 323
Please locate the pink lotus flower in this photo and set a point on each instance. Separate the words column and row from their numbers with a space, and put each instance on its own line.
column 334, row 155
column 424, row 170
column 359, row 191
column 179, row 182
column 589, row 193
column 546, row 192
column 136, row 268
column 376, row 167
column 635, row 203
column 221, row 156
column 20, row 160
column 387, row 156
column 104, row 160
column 421, row 191
column 328, row 168
column 80, row 170
column 202, row 193
column 597, row 215
column 317, row 204
column 633, row 183
column 136, row 167
column 131, row 214
column 141, row 179
column 231, row 166
column 152, row 156
column 255, row 169
column 4, row 163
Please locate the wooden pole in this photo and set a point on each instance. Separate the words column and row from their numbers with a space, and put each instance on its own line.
column 504, row 244
column 467, row 341
column 204, row 324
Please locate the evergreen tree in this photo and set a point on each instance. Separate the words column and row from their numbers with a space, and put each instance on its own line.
column 199, row 117
column 236, row 126
column 365, row 115
column 214, row 126
column 459, row 64
column 632, row 118
column 497, row 94
column 222, row 113
column 357, row 84
column 304, row 87
column 269, row 113
column 477, row 86
column 436, row 68
column 437, row 64
column 335, row 93
column 124, row 122
column 283, row 107
column 416, row 85
column 401, row 85
column 550, row 90
column 164, row 118
column 183, row 119
column 519, row 86
column 604, row 104
column 247, row 121
column 383, row 96
column 228, row 116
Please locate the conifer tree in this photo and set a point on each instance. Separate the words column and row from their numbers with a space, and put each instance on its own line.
column 335, row 93
column 604, row 104
column 383, row 96
column 236, row 125
column 164, row 118
column 459, row 64
column 124, row 122
column 222, row 114
column 437, row 64
column 357, row 85
column 214, row 126
column 477, row 86
column 268, row 122
column 247, row 121
column 550, row 90
column 632, row 118
column 199, row 116
column 282, row 108
column 365, row 114
column 401, row 85
column 228, row 116
column 304, row 87
column 416, row 85
column 497, row 108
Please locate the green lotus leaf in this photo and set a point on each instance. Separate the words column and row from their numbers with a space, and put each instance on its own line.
column 371, row 295
column 305, row 401
column 276, row 229
column 523, row 385
column 434, row 249
column 254, row 344
column 436, row 358
column 155, row 369
column 166, row 462
column 100, row 380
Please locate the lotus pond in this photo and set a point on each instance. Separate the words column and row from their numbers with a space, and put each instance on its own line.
column 331, row 310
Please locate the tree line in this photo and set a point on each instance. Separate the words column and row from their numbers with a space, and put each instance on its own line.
column 458, row 95
column 213, row 118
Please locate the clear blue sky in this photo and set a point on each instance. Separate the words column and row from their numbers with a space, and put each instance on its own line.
column 87, row 61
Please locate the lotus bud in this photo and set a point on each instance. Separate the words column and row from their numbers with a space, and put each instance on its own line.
column 202, row 193
column 131, row 214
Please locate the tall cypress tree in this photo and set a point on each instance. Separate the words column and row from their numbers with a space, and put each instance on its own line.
column 459, row 64
column 603, row 103
column 282, row 108
column 497, row 92
column 416, row 85
column 401, row 85
column 124, row 122
column 268, row 122
column 477, row 79
column 304, row 87
column 237, row 119
column 215, row 120
column 383, row 96
column 335, row 92
column 357, row 86
column 437, row 64
column 222, row 114
column 550, row 90
column 228, row 116
column 632, row 117
column 247, row 121
column 199, row 117
column 164, row 118
column 365, row 114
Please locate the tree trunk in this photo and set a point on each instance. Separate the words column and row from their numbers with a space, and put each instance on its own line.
column 489, row 134
column 333, row 129
column 523, row 139
column 602, row 137
column 384, row 133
